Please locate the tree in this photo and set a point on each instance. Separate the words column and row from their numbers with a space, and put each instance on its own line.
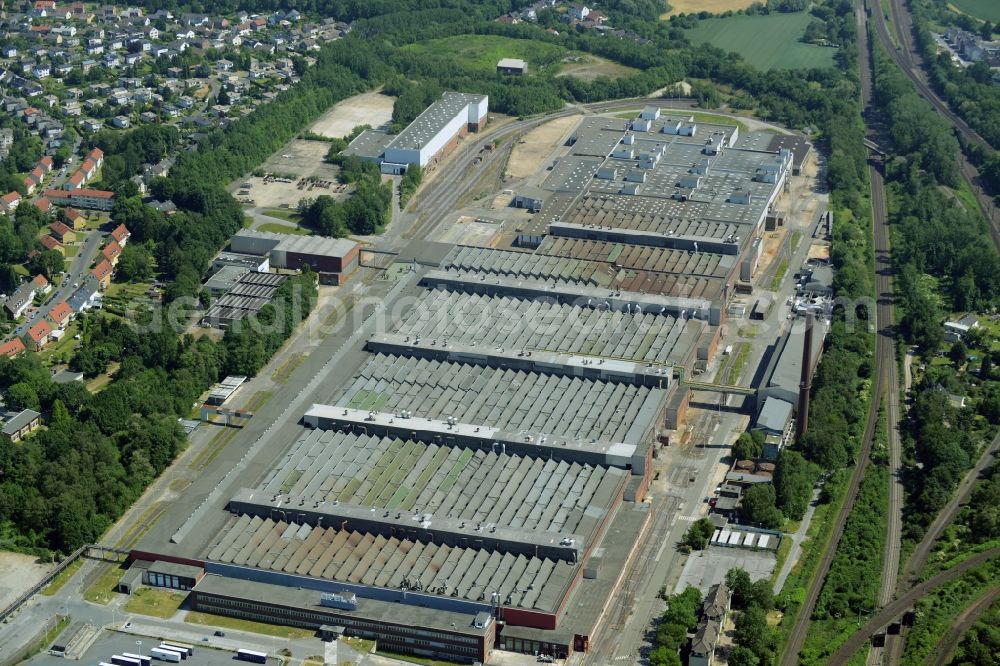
column 958, row 352
column 748, row 446
column 757, row 506
column 699, row 533
column 739, row 583
column 663, row 656
column 753, row 633
column 741, row 656
column 24, row 396
column 135, row 263
column 794, row 477
column 49, row 263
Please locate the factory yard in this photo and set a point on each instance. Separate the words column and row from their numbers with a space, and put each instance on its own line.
column 536, row 146
column 371, row 108
column 498, row 449
column 296, row 161
column 19, row 572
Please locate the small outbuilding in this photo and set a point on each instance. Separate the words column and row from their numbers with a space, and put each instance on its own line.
column 512, row 66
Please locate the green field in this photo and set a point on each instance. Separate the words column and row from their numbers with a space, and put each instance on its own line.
column 987, row 10
column 766, row 42
column 484, row 51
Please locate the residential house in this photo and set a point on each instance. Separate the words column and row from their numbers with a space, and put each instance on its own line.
column 43, row 204
column 83, row 198
column 75, row 182
column 38, row 336
column 41, row 284
column 957, row 330
column 12, row 348
column 112, row 251
column 18, row 424
column 20, row 300
column 102, row 273
column 45, row 164
column 62, row 233
column 51, row 243
column 60, row 314
column 121, row 235
column 121, row 122
column 9, row 202
column 713, row 616
column 86, row 296
column 74, row 218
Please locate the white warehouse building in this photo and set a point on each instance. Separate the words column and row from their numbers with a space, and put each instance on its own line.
column 435, row 130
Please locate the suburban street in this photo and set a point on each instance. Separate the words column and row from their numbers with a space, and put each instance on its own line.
column 78, row 268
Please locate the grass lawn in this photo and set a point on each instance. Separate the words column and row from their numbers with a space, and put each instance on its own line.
column 359, row 644
column 277, row 228
column 699, row 117
column 987, row 10
column 484, row 51
column 779, row 274
column 70, row 251
column 63, row 577
column 156, row 603
column 20, row 269
column 223, row 622
column 286, row 214
column 102, row 591
column 766, row 42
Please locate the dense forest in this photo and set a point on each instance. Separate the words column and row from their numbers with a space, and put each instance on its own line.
column 945, row 262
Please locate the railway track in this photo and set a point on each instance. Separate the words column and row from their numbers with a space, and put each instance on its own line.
column 884, row 357
column 904, row 602
column 908, row 61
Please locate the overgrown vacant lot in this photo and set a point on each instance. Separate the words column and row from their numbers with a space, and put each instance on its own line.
column 767, row 42
column 484, row 51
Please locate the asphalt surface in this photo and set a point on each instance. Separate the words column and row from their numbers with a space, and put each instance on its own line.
column 64, row 289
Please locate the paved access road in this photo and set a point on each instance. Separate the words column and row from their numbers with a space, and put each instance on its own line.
column 79, row 267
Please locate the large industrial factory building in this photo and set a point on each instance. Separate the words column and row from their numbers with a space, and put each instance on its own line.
column 475, row 478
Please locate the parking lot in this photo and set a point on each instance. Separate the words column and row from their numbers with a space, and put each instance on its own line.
column 708, row 567
column 111, row 643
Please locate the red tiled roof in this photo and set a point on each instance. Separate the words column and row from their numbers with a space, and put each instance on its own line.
column 12, row 348
column 96, row 154
column 97, row 194
column 88, row 165
column 76, row 178
column 50, row 243
column 40, row 331
column 72, row 214
column 38, row 173
column 43, row 204
column 102, row 270
column 59, row 228
column 120, row 233
column 111, row 250
column 11, row 197
column 60, row 312
column 40, row 281
column 46, row 162
column 57, row 194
